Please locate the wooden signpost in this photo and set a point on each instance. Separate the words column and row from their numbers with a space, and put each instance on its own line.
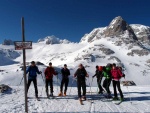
column 23, row 45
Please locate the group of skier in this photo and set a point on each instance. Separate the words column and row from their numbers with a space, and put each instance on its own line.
column 111, row 73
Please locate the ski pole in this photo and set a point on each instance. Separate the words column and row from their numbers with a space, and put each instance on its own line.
column 42, row 77
column 57, row 83
column 91, row 86
column 71, row 85
column 98, row 84
column 92, row 101
column 128, row 90
column 20, row 83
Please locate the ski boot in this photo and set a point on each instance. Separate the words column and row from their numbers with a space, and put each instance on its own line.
column 115, row 98
column 121, row 99
column 80, row 100
column 60, row 94
column 64, row 93
column 84, row 98
column 51, row 95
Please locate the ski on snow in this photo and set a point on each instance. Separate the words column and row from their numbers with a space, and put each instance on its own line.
column 51, row 97
column 118, row 103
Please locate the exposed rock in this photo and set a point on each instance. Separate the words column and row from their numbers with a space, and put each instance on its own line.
column 135, row 64
column 130, row 47
column 39, row 63
column 77, row 59
column 89, row 57
column 99, row 45
column 117, row 27
column 95, row 34
column 114, row 58
column 138, row 52
column 8, row 42
column 4, row 88
column 118, row 43
column 128, row 83
column 106, row 51
column 98, row 56
column 1, row 70
column 148, row 61
column 142, row 32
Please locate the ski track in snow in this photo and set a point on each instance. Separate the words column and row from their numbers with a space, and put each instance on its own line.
column 15, row 102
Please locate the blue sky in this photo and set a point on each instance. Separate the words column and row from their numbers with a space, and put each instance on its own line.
column 69, row 19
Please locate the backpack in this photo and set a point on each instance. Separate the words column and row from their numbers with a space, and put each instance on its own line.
column 100, row 68
column 107, row 72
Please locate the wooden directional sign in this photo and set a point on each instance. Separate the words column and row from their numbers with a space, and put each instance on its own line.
column 19, row 45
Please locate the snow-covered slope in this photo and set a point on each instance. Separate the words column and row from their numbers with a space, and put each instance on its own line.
column 93, row 35
column 142, row 32
column 7, row 55
column 99, row 52
column 53, row 40
column 14, row 102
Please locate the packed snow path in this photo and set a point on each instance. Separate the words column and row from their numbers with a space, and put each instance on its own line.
column 14, row 102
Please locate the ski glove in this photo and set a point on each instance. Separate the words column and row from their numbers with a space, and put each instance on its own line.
column 124, row 75
column 40, row 72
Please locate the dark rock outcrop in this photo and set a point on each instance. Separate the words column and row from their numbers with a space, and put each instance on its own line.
column 106, row 51
column 142, row 52
column 117, row 27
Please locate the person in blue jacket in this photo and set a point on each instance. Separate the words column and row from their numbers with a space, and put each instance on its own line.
column 32, row 77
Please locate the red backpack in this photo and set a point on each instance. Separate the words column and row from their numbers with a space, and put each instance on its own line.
column 100, row 68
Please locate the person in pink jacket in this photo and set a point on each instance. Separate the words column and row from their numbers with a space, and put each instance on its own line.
column 116, row 76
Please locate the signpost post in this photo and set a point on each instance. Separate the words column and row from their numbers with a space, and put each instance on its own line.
column 24, row 64
column 23, row 45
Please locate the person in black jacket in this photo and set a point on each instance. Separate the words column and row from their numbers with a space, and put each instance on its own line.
column 99, row 76
column 65, row 80
column 81, row 81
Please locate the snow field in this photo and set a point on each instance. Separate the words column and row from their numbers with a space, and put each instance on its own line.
column 14, row 102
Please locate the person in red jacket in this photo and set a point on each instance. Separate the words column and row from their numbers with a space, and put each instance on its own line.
column 49, row 72
column 116, row 76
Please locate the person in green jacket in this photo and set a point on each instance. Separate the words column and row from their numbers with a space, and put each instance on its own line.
column 107, row 81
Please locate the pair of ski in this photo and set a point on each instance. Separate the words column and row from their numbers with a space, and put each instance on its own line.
column 50, row 97
column 36, row 98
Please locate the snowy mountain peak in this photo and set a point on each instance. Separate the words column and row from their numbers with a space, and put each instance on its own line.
column 118, row 20
column 8, row 42
column 119, row 28
column 53, row 40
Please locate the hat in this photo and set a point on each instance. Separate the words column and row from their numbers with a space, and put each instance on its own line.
column 97, row 66
column 32, row 62
column 114, row 64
